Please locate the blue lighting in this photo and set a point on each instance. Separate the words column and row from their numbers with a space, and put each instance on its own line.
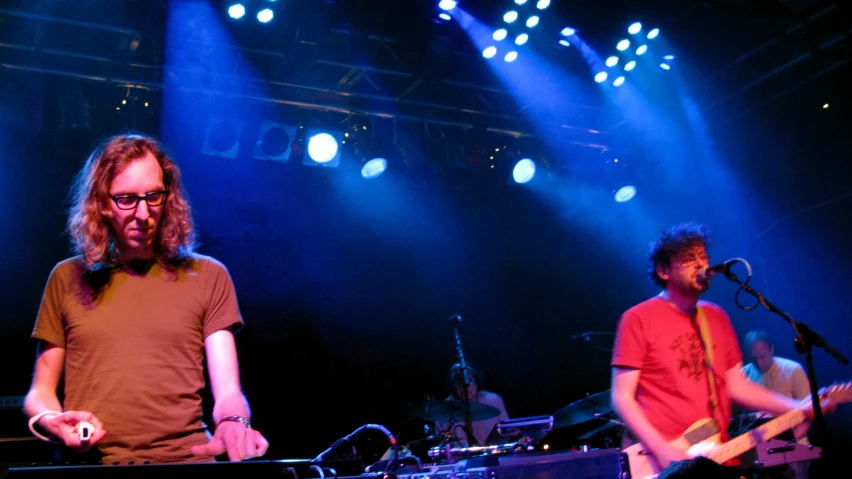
column 499, row 34
column 600, row 77
column 612, row 61
column 623, row 45
column 236, row 11
column 374, row 168
column 668, row 57
column 618, row 81
column 523, row 171
column 489, row 52
column 542, row 4
column 511, row 56
column 510, row 16
column 630, row 65
column 642, row 49
column 264, row 16
column 520, row 2
column 521, row 39
column 568, row 31
column 565, row 43
column 532, row 21
column 322, row 148
column 447, row 4
column 653, row 33
column 635, row 28
column 445, row 16
column 665, row 66
column 625, row 193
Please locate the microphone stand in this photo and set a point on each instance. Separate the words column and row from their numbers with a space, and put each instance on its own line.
column 806, row 339
column 465, row 382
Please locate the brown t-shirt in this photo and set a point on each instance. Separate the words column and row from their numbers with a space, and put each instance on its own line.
column 134, row 353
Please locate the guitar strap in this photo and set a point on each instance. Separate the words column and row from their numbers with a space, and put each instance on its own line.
column 707, row 340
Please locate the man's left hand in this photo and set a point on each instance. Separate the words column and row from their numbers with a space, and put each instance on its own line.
column 239, row 441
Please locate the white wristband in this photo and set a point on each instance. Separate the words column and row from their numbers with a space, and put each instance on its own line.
column 36, row 418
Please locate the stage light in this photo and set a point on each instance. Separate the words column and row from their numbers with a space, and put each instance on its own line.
column 532, row 21
column 568, row 31
column 222, row 137
column 625, row 193
column 264, row 16
column 642, row 49
column 612, row 61
column 323, row 148
column 564, row 43
column 521, row 39
column 275, row 141
column 542, row 4
column 236, row 11
column 511, row 56
column 618, row 81
column 489, row 52
column 623, row 45
column 447, row 4
column 634, row 28
column 500, row 34
column 665, row 66
column 520, row 2
column 445, row 16
column 510, row 16
column 653, row 33
column 523, row 171
column 374, row 168
column 600, row 77
column 668, row 57
column 630, row 65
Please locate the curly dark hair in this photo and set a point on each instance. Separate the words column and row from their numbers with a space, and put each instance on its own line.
column 455, row 374
column 91, row 233
column 671, row 243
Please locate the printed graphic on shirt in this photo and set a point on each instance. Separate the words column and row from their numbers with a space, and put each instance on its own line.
column 690, row 354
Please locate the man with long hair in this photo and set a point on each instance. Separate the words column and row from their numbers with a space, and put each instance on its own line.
column 131, row 319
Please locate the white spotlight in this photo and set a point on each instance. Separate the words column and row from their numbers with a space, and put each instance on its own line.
column 653, row 33
column 523, row 171
column 521, row 39
column 264, row 16
column 532, row 21
column 542, row 4
column 510, row 16
column 642, row 49
column 568, row 31
column 511, row 56
column 520, row 2
column 499, row 34
column 489, row 52
column 625, row 193
column 322, row 148
column 447, row 4
column 635, row 28
column 665, row 66
column 612, row 61
column 630, row 65
column 623, row 45
column 618, row 81
column 564, row 43
column 600, row 77
column 236, row 11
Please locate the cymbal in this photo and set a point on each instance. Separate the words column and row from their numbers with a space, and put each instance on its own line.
column 606, row 429
column 447, row 410
column 583, row 410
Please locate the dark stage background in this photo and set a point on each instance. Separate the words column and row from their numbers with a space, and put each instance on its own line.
column 346, row 285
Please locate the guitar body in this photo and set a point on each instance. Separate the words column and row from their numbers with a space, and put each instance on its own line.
column 701, row 436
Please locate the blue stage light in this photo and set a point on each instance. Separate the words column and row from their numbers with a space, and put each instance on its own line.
column 322, row 147
column 635, row 28
column 623, row 45
column 447, row 4
column 521, row 39
column 653, row 33
column 565, row 43
column 568, row 31
column 489, row 52
column 600, row 77
column 625, row 193
column 500, row 34
column 511, row 56
column 445, row 16
column 264, row 16
column 618, row 81
column 612, row 61
column 532, row 21
column 630, row 65
column 542, row 4
column 665, row 66
column 510, row 16
column 642, row 49
column 374, row 168
column 524, row 171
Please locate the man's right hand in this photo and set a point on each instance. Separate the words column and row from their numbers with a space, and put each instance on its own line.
column 63, row 427
column 668, row 454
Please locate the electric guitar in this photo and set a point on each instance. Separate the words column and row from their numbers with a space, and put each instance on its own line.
column 703, row 438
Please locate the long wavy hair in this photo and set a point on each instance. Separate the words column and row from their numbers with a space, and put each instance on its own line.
column 92, row 234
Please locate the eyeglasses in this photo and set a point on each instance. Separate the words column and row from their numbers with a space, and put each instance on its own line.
column 129, row 202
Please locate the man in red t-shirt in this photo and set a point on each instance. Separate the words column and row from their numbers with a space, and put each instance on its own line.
column 659, row 379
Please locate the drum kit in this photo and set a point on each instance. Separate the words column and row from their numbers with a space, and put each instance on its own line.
column 582, row 425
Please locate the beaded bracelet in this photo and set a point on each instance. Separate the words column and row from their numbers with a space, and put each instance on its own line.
column 245, row 422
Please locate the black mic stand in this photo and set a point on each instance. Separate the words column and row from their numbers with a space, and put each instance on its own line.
column 806, row 339
column 465, row 382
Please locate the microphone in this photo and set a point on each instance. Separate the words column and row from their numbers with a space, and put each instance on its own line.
column 720, row 268
column 455, row 320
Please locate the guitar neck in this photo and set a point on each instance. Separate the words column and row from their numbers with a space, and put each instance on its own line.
column 765, row 432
